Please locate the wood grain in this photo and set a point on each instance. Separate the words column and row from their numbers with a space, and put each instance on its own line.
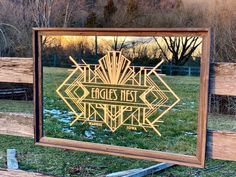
column 16, row 70
column 223, row 79
column 17, row 124
column 221, row 145
column 20, row 173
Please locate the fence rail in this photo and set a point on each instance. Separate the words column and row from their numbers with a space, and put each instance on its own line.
column 180, row 70
column 220, row 144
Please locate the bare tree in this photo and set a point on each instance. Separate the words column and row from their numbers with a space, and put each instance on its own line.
column 181, row 48
column 6, row 42
column 41, row 11
column 116, row 45
column 70, row 6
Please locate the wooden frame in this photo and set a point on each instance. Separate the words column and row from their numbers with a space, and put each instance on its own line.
column 194, row 161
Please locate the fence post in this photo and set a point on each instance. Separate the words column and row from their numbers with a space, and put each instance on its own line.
column 54, row 60
column 189, row 71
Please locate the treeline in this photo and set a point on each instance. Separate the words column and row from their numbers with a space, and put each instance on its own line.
column 18, row 17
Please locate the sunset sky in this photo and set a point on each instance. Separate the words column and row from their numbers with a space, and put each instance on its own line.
column 105, row 43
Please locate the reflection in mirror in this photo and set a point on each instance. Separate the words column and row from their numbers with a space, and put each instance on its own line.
column 222, row 112
column 132, row 91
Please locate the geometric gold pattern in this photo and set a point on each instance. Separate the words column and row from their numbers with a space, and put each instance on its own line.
column 117, row 94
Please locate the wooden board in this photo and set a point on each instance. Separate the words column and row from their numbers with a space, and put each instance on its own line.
column 20, row 173
column 223, row 79
column 17, row 124
column 221, row 145
column 17, row 70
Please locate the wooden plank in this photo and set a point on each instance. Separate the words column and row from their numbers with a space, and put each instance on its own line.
column 221, row 145
column 18, row 124
column 12, row 163
column 223, row 79
column 150, row 170
column 17, row 70
column 20, row 173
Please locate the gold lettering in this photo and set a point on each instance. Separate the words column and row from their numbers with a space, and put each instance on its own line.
column 115, row 94
column 97, row 93
column 92, row 94
column 135, row 96
column 102, row 94
column 112, row 94
column 122, row 95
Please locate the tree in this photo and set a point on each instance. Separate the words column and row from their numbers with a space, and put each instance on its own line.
column 91, row 20
column 41, row 11
column 70, row 6
column 132, row 8
column 109, row 10
column 180, row 48
column 6, row 40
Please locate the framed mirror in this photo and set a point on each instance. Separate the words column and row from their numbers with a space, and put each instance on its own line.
column 138, row 93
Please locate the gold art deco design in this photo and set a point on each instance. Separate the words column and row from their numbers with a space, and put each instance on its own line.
column 117, row 94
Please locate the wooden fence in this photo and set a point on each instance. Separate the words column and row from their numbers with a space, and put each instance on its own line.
column 220, row 144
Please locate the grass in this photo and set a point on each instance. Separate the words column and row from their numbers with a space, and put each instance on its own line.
column 16, row 106
column 60, row 162
column 222, row 122
column 178, row 130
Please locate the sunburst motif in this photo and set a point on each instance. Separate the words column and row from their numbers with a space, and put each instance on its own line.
column 114, row 68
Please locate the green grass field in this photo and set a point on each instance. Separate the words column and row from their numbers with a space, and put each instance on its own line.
column 178, row 130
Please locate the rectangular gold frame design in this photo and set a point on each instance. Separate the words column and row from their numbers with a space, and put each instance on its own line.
column 194, row 161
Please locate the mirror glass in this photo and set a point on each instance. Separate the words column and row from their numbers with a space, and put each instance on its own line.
column 132, row 91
